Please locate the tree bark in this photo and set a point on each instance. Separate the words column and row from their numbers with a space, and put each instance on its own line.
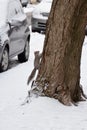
column 59, row 73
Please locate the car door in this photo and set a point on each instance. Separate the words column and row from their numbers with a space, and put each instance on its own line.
column 16, row 33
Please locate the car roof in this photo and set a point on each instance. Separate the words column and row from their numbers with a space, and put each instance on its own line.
column 3, row 13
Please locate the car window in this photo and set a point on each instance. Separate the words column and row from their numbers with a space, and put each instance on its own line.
column 14, row 8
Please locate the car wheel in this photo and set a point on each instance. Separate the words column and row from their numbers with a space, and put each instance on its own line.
column 4, row 61
column 23, row 57
column 35, row 30
column 86, row 31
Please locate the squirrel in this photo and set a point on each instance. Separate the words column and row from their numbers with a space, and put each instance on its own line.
column 36, row 65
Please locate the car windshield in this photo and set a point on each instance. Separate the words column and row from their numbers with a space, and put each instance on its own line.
column 3, row 12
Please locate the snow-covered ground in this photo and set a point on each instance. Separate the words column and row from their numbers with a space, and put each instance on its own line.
column 42, row 113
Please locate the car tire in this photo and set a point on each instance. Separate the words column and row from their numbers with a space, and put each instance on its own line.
column 23, row 57
column 86, row 32
column 4, row 60
column 34, row 30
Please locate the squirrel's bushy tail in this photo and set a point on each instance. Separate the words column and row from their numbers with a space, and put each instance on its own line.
column 31, row 75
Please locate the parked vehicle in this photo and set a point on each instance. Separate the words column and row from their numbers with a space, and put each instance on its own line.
column 14, row 33
column 40, row 15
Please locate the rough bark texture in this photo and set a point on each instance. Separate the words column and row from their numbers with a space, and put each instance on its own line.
column 59, row 73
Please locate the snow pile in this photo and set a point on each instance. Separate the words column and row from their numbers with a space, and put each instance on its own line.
column 29, row 8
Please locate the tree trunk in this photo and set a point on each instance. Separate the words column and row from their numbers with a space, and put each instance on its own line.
column 59, row 73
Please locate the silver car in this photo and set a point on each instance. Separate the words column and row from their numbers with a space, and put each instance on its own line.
column 40, row 15
column 14, row 33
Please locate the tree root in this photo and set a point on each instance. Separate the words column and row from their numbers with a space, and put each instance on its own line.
column 60, row 93
column 82, row 94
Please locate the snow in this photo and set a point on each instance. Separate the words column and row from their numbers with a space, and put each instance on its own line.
column 3, row 8
column 42, row 7
column 41, row 113
column 29, row 8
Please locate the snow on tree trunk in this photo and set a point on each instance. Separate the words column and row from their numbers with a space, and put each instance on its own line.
column 59, row 73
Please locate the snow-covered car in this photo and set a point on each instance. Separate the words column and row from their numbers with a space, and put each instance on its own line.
column 14, row 33
column 40, row 15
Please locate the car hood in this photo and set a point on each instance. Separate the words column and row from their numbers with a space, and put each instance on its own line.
column 43, row 7
column 3, row 34
column 4, row 29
